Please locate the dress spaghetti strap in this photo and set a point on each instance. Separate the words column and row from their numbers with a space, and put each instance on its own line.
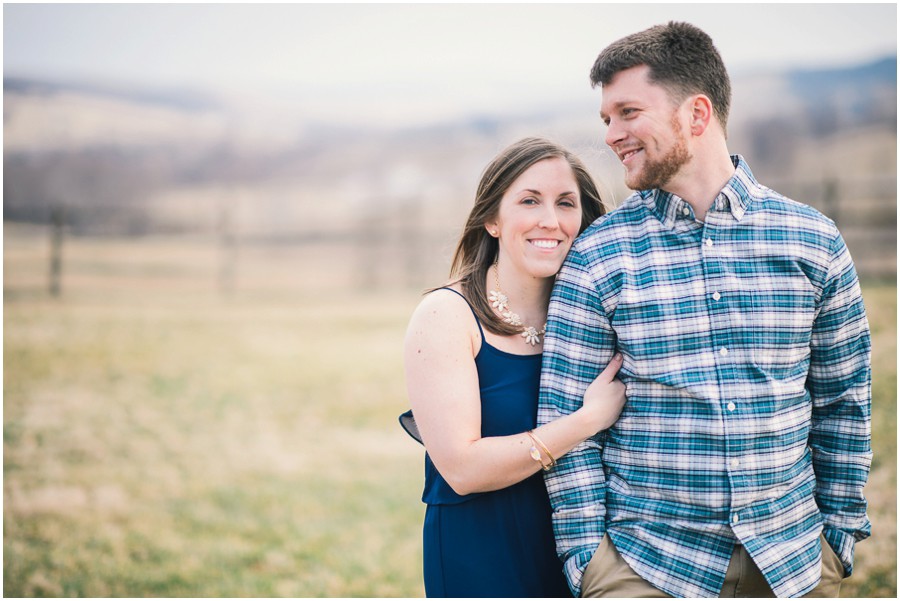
column 472, row 309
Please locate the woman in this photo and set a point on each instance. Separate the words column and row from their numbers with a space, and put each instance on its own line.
column 473, row 361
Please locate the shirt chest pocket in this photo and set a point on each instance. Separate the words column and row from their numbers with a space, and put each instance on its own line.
column 781, row 323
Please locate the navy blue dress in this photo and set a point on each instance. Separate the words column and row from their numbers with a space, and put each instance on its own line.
column 499, row 543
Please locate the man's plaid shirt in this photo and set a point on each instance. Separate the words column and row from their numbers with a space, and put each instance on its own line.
column 747, row 369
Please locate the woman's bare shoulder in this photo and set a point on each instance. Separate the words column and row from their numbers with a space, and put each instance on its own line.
column 443, row 316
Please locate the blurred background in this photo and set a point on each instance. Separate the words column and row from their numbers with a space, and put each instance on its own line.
column 217, row 219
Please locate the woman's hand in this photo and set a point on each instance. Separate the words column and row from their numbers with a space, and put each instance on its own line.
column 605, row 397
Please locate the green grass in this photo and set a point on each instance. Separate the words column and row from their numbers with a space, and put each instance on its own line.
column 167, row 442
column 162, row 441
column 875, row 568
column 217, row 450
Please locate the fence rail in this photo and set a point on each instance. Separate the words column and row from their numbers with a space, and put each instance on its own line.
column 402, row 245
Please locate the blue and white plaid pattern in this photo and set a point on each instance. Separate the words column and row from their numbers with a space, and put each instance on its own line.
column 747, row 369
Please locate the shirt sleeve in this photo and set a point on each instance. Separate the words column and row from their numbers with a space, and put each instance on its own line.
column 578, row 344
column 840, row 384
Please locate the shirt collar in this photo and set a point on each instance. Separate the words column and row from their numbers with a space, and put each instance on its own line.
column 736, row 196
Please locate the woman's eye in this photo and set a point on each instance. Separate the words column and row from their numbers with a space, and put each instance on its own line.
column 529, row 201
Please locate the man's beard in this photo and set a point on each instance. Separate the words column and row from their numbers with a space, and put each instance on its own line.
column 658, row 173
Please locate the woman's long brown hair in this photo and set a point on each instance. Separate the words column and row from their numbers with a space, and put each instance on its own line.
column 477, row 250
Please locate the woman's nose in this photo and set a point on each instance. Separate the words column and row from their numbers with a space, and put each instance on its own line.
column 549, row 219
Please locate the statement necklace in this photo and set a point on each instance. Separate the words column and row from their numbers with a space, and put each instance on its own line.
column 500, row 302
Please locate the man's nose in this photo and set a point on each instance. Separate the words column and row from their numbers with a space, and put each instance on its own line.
column 614, row 134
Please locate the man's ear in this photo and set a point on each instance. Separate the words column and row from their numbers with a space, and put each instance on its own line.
column 701, row 114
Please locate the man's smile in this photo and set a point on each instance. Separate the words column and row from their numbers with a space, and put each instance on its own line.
column 625, row 155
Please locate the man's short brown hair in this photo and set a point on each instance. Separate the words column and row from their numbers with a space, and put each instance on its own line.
column 681, row 58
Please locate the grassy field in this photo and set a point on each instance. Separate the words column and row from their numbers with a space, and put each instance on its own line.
column 162, row 440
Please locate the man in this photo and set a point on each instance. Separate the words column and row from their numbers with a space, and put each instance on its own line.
column 737, row 466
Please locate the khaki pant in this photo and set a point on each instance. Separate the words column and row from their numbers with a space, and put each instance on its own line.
column 608, row 575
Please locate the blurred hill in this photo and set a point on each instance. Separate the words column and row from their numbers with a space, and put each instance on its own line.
column 130, row 162
column 780, row 118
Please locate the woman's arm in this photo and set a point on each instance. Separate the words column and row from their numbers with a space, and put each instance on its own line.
column 442, row 381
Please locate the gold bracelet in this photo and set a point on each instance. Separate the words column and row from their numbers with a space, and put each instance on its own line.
column 543, row 447
column 536, row 455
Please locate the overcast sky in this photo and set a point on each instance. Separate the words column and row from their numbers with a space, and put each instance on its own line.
column 408, row 61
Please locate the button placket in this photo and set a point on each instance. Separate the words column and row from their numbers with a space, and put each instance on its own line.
column 721, row 343
column 721, row 300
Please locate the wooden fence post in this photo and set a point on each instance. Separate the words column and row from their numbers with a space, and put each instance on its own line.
column 227, row 248
column 413, row 241
column 369, row 242
column 830, row 201
column 57, row 223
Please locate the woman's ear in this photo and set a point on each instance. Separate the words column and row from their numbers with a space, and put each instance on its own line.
column 493, row 229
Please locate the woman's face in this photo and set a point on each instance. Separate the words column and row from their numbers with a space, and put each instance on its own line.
column 539, row 218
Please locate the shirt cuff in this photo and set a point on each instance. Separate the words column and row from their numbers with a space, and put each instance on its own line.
column 575, row 567
column 843, row 545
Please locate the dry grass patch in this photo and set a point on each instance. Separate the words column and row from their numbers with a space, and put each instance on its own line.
column 161, row 440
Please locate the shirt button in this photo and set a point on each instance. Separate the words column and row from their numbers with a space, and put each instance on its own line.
column 723, row 351
column 735, row 519
column 720, row 205
column 735, row 463
column 732, row 406
column 709, row 242
column 716, row 296
column 685, row 211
